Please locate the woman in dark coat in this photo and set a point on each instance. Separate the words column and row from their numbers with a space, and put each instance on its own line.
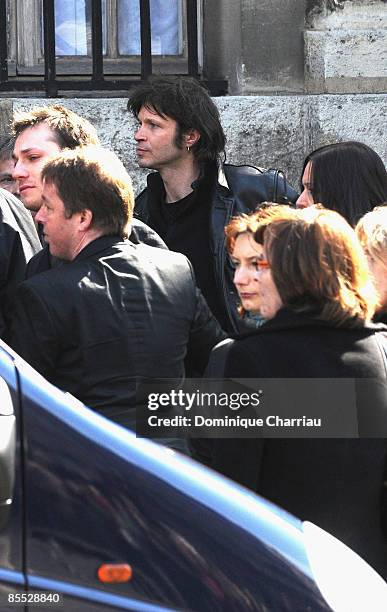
column 314, row 290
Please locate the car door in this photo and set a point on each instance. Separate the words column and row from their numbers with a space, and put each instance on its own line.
column 12, row 578
column 66, row 523
column 92, row 494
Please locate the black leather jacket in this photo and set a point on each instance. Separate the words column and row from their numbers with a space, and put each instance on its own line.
column 239, row 189
column 117, row 313
column 140, row 234
column 18, row 243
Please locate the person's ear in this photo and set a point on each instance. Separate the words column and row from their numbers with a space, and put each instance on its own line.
column 85, row 219
column 191, row 138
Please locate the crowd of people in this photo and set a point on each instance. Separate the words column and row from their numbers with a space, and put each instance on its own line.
column 215, row 270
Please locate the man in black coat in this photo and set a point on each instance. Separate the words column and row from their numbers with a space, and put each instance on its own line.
column 18, row 237
column 114, row 312
column 193, row 196
column 18, row 243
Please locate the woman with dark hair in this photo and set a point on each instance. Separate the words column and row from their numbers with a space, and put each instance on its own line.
column 317, row 298
column 348, row 177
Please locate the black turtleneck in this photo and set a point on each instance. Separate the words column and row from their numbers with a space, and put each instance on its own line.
column 185, row 227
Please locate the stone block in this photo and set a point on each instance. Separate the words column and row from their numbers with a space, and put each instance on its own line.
column 345, row 61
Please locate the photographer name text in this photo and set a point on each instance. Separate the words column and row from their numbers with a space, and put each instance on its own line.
column 234, row 421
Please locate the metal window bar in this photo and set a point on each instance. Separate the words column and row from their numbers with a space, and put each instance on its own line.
column 3, row 44
column 96, row 41
column 146, row 39
column 49, row 48
column 98, row 81
column 192, row 37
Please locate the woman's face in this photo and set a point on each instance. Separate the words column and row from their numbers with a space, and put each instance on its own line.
column 306, row 198
column 269, row 298
column 379, row 273
column 245, row 256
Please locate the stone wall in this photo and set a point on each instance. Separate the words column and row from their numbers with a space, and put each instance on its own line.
column 275, row 51
column 345, row 46
column 296, row 46
column 257, row 46
column 270, row 131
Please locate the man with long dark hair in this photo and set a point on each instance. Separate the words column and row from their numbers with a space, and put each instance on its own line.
column 192, row 196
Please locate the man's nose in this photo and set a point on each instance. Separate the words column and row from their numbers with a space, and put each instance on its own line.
column 40, row 217
column 19, row 171
column 139, row 134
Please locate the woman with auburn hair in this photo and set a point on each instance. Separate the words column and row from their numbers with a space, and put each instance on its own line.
column 372, row 233
column 348, row 177
column 244, row 252
column 317, row 298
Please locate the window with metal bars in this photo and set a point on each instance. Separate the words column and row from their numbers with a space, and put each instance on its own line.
column 120, row 28
column 55, row 45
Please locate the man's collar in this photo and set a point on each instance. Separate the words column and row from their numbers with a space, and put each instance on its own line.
column 97, row 245
column 208, row 172
column 155, row 182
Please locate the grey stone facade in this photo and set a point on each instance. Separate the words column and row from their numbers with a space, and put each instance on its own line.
column 301, row 73
column 269, row 131
column 292, row 46
column 346, row 49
